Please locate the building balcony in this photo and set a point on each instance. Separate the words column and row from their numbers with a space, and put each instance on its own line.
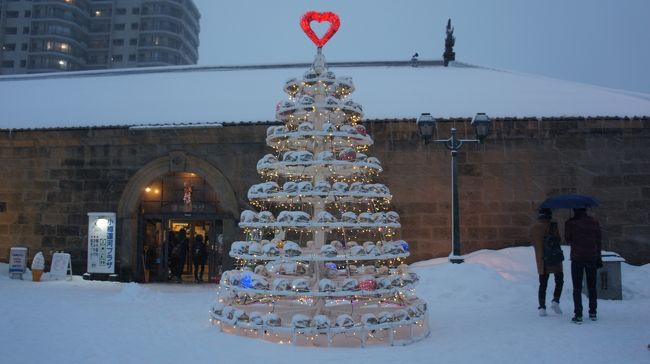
column 179, row 36
column 175, row 51
column 60, row 38
column 184, row 28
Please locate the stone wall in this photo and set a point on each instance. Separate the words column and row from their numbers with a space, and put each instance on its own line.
column 52, row 178
column 504, row 180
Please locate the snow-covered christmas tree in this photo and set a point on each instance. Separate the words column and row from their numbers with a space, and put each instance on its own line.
column 321, row 263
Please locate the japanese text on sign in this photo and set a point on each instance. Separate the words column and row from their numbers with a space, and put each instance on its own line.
column 101, row 243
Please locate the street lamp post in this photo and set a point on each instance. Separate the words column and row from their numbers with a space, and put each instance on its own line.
column 426, row 125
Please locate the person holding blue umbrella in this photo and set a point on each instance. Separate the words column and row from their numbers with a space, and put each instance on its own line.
column 582, row 233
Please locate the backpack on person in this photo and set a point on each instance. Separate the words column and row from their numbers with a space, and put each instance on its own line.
column 199, row 250
column 553, row 254
column 176, row 251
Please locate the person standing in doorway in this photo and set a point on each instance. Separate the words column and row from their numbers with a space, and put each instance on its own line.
column 176, row 263
column 181, row 254
column 171, row 259
column 544, row 231
column 150, row 261
column 582, row 233
column 199, row 255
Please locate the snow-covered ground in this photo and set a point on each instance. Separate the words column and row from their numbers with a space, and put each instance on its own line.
column 483, row 311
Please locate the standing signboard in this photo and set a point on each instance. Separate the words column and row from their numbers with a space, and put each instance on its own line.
column 61, row 266
column 101, row 242
column 17, row 262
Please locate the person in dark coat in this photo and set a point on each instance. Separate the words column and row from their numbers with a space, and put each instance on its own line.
column 181, row 255
column 171, row 260
column 199, row 256
column 150, row 261
column 582, row 233
column 545, row 225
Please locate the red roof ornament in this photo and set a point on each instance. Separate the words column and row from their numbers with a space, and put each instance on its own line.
column 311, row 16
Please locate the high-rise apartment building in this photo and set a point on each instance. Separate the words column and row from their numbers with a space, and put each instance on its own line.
column 70, row 35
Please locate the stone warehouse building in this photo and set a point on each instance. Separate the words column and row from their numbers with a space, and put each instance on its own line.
column 70, row 35
column 144, row 134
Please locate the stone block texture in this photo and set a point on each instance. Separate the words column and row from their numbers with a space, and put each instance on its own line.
column 50, row 179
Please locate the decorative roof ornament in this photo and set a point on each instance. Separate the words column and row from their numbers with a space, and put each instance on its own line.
column 450, row 40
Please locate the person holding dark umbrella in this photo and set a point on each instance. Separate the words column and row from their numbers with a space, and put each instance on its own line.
column 582, row 233
column 543, row 234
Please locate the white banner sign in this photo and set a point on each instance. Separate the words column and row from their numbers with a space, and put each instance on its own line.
column 101, row 242
column 61, row 266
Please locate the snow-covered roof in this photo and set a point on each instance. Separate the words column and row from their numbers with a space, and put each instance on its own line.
column 231, row 94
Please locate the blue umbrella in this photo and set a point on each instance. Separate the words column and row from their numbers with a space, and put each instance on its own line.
column 569, row 202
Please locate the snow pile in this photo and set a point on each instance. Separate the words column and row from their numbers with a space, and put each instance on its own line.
column 635, row 282
column 482, row 311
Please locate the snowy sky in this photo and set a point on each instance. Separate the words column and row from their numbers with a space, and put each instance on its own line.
column 604, row 42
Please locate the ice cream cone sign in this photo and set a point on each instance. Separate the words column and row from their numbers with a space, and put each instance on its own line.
column 38, row 265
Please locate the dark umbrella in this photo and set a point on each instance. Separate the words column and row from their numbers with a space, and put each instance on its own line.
column 569, row 202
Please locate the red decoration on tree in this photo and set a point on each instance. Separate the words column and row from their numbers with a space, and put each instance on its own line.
column 368, row 285
column 361, row 129
column 347, row 154
column 187, row 193
column 311, row 16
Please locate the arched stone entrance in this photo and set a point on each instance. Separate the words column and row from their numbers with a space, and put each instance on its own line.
column 128, row 207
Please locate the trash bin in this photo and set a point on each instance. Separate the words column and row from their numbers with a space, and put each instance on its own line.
column 17, row 262
column 609, row 281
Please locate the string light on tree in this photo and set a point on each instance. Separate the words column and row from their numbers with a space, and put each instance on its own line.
column 322, row 263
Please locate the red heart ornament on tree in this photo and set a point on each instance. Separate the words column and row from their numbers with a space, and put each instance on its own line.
column 311, row 16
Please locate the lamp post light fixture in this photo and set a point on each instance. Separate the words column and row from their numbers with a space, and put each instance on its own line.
column 426, row 125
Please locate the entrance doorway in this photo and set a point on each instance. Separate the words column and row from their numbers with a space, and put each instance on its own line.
column 163, row 261
column 177, row 210
column 160, row 187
